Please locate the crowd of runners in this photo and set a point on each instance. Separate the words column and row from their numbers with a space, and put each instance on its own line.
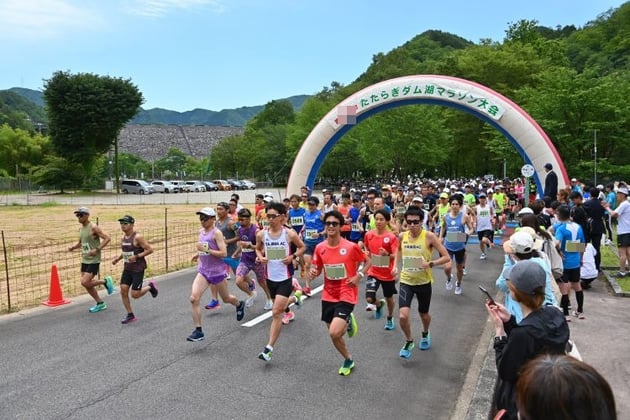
column 390, row 236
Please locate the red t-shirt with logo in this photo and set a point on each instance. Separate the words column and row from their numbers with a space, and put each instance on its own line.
column 374, row 242
column 338, row 263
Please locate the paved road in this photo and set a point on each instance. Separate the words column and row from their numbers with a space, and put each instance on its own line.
column 65, row 363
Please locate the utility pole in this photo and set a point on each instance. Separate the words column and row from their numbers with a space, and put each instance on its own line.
column 595, row 156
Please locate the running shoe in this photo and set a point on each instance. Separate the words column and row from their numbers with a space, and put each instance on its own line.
column 347, row 367
column 425, row 342
column 265, row 354
column 128, row 319
column 405, row 352
column 214, row 304
column 98, row 307
column 196, row 336
column 378, row 314
column 268, row 305
column 109, row 285
column 465, row 272
column 250, row 300
column 370, row 307
column 458, row 289
column 353, row 327
column 298, row 299
column 389, row 324
column 578, row 315
column 240, row 310
column 296, row 284
column 483, row 256
column 153, row 289
column 449, row 284
column 288, row 317
column 306, row 291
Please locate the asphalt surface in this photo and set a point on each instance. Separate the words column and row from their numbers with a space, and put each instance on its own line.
column 65, row 363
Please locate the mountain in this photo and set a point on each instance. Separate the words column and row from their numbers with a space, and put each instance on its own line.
column 31, row 102
column 18, row 111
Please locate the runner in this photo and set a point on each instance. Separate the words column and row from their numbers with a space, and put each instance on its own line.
column 211, row 250
column 456, row 226
column 273, row 249
column 134, row 250
column 339, row 259
column 416, row 253
column 484, row 222
column 313, row 234
column 89, row 242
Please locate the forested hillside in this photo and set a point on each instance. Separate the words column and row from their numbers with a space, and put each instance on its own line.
column 574, row 81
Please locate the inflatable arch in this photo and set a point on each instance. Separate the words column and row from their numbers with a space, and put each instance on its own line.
column 514, row 123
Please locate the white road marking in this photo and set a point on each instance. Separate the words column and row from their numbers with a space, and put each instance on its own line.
column 267, row 314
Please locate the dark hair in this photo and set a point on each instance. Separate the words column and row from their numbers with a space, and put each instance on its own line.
column 594, row 192
column 456, row 197
column 337, row 215
column 532, row 301
column 277, row 206
column 223, row 204
column 295, row 197
column 533, row 222
column 235, row 196
column 260, row 196
column 561, row 387
column 384, row 213
column 345, row 196
column 415, row 211
column 537, row 206
column 574, row 195
column 563, row 212
column 244, row 213
column 356, row 199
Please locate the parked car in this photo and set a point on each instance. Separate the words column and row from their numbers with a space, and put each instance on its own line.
column 236, row 185
column 183, row 187
column 196, row 186
column 249, row 185
column 135, row 186
column 222, row 184
column 211, row 186
column 164, row 187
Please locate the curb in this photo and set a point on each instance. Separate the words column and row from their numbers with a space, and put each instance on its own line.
column 616, row 289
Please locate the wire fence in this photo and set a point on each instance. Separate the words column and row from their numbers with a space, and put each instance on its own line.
column 25, row 265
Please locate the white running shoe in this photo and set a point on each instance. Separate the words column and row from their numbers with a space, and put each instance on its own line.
column 449, row 285
column 250, row 300
column 268, row 305
column 483, row 256
column 458, row 290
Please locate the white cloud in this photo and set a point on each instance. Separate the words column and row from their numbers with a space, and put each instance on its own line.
column 43, row 19
column 159, row 8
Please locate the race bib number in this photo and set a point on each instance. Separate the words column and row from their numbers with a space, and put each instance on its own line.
column 401, row 210
column 335, row 271
column 310, row 233
column 85, row 248
column 204, row 249
column 355, row 227
column 275, row 252
column 296, row 221
column 380, row 260
column 456, row 236
column 412, row 264
column 574, row 246
column 128, row 254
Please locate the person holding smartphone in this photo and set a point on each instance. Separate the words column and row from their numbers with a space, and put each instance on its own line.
column 542, row 330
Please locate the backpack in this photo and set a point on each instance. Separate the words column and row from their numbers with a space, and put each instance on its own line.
column 555, row 260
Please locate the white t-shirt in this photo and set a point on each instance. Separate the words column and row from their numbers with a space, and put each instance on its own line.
column 623, row 217
column 588, row 269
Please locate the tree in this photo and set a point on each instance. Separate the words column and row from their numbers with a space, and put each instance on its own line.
column 20, row 150
column 86, row 113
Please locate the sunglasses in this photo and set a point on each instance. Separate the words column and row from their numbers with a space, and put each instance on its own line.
column 272, row 216
column 80, row 214
column 414, row 222
column 332, row 224
column 124, row 223
column 205, row 218
column 244, row 218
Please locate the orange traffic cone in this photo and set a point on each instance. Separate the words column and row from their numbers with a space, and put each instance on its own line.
column 55, row 297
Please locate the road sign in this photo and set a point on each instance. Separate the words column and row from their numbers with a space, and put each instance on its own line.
column 527, row 170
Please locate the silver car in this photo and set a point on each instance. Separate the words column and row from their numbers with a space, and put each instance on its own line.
column 164, row 187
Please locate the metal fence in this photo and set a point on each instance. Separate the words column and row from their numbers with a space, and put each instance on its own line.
column 25, row 266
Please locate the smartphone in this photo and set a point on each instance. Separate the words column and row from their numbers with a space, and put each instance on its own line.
column 485, row 292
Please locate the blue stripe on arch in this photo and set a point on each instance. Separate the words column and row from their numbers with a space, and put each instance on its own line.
column 319, row 159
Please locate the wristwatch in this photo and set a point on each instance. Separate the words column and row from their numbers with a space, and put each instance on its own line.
column 500, row 339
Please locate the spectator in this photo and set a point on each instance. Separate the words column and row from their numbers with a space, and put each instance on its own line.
column 542, row 330
column 563, row 388
column 595, row 212
column 551, row 182
column 622, row 213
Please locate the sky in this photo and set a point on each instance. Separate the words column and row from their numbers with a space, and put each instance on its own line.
column 224, row 54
